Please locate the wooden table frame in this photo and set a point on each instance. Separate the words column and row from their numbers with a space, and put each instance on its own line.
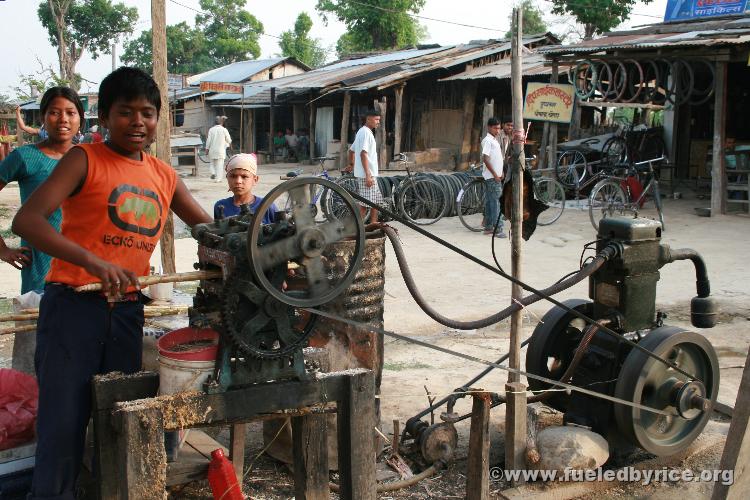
column 129, row 425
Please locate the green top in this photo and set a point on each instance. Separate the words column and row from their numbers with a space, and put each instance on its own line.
column 30, row 167
column 279, row 141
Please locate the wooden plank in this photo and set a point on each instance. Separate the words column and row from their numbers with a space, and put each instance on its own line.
column 356, row 440
column 313, row 118
column 398, row 124
column 107, row 390
column 193, row 459
column 142, row 458
column 478, row 463
column 271, row 125
column 718, row 164
column 638, row 105
column 310, row 451
column 736, row 455
column 237, row 434
column 515, row 427
column 470, row 96
column 190, row 409
column 344, row 149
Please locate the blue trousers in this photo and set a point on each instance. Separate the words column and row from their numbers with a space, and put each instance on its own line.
column 492, row 204
column 79, row 335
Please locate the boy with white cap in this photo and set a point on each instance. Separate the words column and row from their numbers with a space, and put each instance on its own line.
column 242, row 176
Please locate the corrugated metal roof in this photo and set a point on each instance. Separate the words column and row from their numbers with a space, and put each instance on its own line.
column 533, row 65
column 239, row 71
column 730, row 31
column 400, row 55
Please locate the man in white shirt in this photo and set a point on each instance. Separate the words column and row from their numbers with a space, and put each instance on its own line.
column 292, row 141
column 217, row 142
column 363, row 156
column 492, row 156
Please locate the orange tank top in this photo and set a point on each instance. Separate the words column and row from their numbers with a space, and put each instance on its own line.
column 118, row 214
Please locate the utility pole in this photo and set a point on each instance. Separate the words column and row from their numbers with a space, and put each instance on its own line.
column 159, row 51
column 515, row 413
column 114, row 55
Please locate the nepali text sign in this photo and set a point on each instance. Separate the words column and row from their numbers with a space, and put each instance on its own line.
column 229, row 88
column 549, row 102
column 690, row 9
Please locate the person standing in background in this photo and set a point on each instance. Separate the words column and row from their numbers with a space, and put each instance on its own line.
column 217, row 142
column 492, row 156
column 363, row 157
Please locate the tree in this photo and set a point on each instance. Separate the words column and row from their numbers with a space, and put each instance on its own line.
column 187, row 50
column 596, row 16
column 298, row 44
column 374, row 24
column 532, row 19
column 79, row 26
column 231, row 32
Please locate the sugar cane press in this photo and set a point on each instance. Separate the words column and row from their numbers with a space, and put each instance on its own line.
column 269, row 272
column 683, row 383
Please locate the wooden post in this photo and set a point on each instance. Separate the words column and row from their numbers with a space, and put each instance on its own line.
column 356, row 423
column 272, row 131
column 398, row 119
column 515, row 414
column 237, row 434
column 344, row 149
column 242, row 121
column 105, row 393
column 159, row 51
column 142, row 458
column 552, row 141
column 477, row 466
column 298, row 116
column 310, row 452
column 736, row 455
column 574, row 132
column 313, row 117
column 470, row 96
column 718, row 179
column 249, row 127
column 488, row 111
column 380, row 134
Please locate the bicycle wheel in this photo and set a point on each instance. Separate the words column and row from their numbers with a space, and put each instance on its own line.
column 335, row 206
column 470, row 205
column 551, row 193
column 571, row 168
column 422, row 200
column 203, row 155
column 614, row 152
column 606, row 200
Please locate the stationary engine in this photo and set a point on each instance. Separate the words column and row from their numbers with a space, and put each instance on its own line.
column 682, row 385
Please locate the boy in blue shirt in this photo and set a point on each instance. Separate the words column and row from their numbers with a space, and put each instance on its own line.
column 242, row 176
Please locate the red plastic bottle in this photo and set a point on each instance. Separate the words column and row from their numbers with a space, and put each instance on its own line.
column 222, row 478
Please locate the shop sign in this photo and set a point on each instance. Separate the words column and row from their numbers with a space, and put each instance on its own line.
column 678, row 10
column 549, row 102
column 229, row 88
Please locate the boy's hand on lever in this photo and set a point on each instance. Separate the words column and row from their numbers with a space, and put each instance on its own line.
column 115, row 280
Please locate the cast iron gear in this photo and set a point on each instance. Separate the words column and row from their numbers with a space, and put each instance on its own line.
column 260, row 325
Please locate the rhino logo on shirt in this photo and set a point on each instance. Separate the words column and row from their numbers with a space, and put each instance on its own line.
column 136, row 210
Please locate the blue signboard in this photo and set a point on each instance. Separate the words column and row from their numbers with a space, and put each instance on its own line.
column 690, row 9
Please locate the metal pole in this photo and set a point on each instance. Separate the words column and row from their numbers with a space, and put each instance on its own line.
column 515, row 414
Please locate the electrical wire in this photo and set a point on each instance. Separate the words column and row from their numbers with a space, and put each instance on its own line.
column 211, row 15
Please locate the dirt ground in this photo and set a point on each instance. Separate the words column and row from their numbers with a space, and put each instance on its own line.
column 462, row 290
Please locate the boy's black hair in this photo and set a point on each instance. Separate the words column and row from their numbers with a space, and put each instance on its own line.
column 372, row 112
column 492, row 122
column 65, row 93
column 127, row 83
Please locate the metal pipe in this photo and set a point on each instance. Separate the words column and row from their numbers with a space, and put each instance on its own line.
column 702, row 284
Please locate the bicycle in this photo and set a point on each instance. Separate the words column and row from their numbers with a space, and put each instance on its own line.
column 318, row 193
column 608, row 198
column 416, row 197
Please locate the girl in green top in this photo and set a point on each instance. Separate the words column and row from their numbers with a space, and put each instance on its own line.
column 30, row 165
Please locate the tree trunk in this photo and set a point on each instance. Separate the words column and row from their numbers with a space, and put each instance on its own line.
column 589, row 30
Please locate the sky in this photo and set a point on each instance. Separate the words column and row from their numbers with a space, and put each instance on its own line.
column 27, row 47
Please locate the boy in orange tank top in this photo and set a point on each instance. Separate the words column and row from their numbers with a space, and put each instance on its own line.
column 115, row 199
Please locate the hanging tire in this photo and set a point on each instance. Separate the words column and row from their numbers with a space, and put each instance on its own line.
column 470, row 205
column 551, row 193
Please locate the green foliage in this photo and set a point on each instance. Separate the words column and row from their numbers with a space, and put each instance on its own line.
column 187, row 50
column 84, row 26
column 374, row 24
column 298, row 44
column 597, row 16
column 532, row 21
column 34, row 84
column 231, row 32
